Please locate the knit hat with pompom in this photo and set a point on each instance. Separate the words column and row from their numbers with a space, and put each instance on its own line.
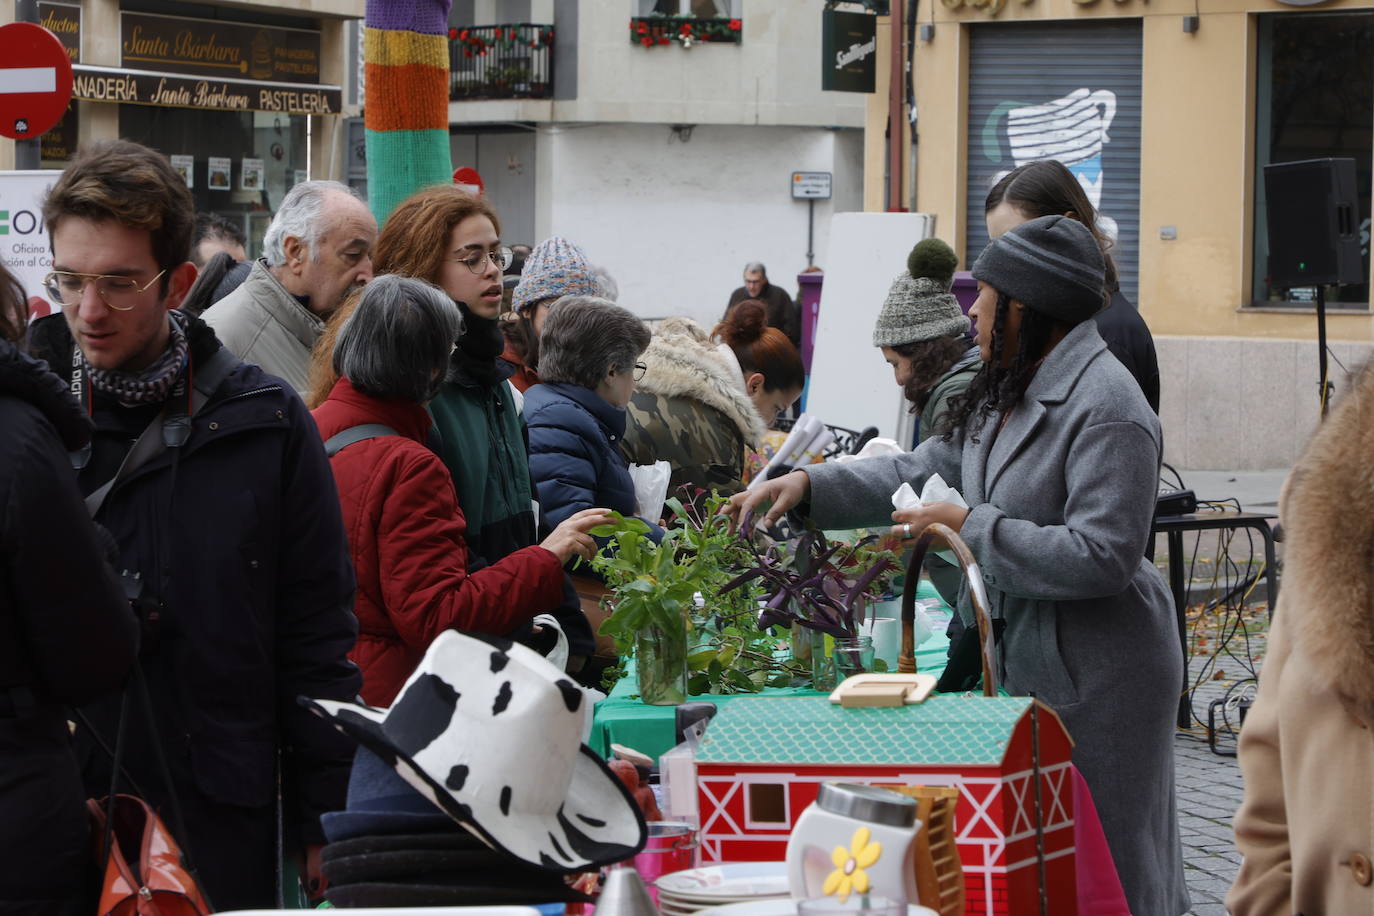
column 919, row 305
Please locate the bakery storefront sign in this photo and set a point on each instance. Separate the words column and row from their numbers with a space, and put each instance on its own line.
column 212, row 48
column 140, row 87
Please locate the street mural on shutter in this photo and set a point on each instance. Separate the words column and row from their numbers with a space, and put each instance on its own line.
column 1069, row 92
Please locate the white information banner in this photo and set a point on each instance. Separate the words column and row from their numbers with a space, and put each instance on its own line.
column 24, row 246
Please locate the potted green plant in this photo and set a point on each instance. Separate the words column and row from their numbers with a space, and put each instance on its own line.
column 668, row 610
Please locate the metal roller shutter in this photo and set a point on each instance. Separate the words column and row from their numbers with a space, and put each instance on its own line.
column 1068, row 91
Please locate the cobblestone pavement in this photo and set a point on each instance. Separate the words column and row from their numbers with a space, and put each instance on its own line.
column 1209, row 786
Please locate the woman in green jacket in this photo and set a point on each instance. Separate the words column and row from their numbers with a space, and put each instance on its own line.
column 923, row 334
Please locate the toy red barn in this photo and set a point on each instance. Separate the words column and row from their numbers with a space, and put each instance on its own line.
column 762, row 761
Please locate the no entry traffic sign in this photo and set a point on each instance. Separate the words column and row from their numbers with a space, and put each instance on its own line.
column 35, row 80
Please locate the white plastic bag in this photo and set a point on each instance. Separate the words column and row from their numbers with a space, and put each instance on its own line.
column 651, row 488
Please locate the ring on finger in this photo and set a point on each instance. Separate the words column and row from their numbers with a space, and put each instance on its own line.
column 906, row 529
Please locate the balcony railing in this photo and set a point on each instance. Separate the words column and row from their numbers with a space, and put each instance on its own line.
column 508, row 61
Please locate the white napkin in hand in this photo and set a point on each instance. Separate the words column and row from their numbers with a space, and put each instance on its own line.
column 935, row 491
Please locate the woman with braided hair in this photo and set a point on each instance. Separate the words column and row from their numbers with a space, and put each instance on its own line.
column 1057, row 454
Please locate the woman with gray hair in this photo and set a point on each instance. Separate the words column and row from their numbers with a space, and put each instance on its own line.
column 589, row 362
column 405, row 527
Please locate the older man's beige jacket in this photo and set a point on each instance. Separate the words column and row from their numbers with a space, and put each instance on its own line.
column 260, row 322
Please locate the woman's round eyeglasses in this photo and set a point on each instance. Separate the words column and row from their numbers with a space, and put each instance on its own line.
column 477, row 261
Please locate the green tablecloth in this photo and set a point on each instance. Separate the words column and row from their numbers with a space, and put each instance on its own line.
column 618, row 719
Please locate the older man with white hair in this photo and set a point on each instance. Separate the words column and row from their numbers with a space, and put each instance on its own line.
column 317, row 250
column 783, row 313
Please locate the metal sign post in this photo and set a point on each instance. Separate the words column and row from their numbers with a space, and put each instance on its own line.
column 811, row 187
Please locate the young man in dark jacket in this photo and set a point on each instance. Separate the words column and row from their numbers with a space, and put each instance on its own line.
column 228, row 526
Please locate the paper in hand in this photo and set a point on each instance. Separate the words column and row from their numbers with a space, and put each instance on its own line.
column 935, row 491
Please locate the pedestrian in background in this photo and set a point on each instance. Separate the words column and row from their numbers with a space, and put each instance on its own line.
column 782, row 312
column 67, row 635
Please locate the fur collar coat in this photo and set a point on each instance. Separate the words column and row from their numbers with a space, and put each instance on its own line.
column 1306, row 751
column 691, row 410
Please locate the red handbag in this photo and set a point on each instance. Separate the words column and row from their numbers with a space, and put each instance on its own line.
column 144, row 873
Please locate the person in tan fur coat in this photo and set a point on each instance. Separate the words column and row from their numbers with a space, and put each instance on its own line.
column 1306, row 825
column 691, row 410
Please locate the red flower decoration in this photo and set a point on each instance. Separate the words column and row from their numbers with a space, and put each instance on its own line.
column 462, row 36
column 642, row 29
column 452, row 34
column 735, row 25
column 647, row 41
column 467, row 52
column 664, row 40
column 686, row 29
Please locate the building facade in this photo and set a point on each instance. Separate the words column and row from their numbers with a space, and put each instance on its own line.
column 669, row 159
column 1167, row 111
column 246, row 98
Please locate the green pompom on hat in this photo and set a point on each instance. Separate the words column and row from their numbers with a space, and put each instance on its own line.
column 934, row 259
column 919, row 305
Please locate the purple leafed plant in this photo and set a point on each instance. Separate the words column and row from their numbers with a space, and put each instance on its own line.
column 816, row 583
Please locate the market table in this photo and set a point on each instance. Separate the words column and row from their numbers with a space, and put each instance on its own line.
column 623, row 719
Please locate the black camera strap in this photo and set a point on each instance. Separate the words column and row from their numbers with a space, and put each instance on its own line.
column 171, row 428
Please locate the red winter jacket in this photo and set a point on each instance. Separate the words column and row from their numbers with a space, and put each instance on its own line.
column 405, row 532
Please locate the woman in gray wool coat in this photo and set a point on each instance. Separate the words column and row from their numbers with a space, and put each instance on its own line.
column 1057, row 453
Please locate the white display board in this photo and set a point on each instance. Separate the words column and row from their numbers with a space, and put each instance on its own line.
column 851, row 385
column 24, row 246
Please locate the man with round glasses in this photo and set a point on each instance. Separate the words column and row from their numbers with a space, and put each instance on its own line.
column 317, row 251
column 211, row 478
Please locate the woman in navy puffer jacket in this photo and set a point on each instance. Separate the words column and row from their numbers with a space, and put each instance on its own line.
column 588, row 349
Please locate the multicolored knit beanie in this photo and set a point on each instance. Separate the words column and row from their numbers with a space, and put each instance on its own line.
column 556, row 267
column 405, row 52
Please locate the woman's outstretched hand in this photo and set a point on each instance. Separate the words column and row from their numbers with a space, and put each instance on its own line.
column 776, row 496
column 570, row 539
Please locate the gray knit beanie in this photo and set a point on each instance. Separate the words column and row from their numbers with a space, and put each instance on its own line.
column 919, row 306
column 1052, row 265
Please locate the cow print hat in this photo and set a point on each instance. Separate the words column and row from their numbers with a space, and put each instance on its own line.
column 491, row 732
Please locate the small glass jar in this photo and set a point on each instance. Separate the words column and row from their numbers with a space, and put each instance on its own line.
column 852, row 655
column 661, row 665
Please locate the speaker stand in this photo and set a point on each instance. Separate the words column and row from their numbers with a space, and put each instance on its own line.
column 1323, row 385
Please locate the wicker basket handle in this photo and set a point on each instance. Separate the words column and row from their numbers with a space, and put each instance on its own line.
column 906, row 661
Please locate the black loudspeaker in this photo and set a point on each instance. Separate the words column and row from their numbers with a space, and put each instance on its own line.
column 1314, row 223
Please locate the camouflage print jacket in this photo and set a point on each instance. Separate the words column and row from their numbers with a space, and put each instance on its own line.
column 690, row 410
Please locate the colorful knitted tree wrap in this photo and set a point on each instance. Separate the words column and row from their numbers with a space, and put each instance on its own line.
column 405, row 53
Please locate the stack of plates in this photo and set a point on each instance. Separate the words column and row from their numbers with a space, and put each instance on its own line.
column 683, row 893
